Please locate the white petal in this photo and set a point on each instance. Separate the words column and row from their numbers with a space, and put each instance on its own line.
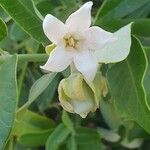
column 81, row 19
column 119, row 49
column 96, row 38
column 82, row 107
column 86, row 63
column 59, row 60
column 53, row 28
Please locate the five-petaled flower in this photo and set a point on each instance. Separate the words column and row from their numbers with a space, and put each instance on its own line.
column 76, row 42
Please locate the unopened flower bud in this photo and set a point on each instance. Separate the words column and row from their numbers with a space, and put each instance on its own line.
column 77, row 95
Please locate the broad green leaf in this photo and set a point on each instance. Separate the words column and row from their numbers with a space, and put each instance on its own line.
column 37, row 11
column 110, row 114
column 141, row 12
column 31, row 122
column 119, row 8
column 126, row 86
column 6, row 44
column 47, row 6
column 37, row 88
column 3, row 15
column 71, row 144
column 17, row 34
column 147, row 78
column 87, row 139
column 57, row 137
column 25, row 18
column 45, row 99
column 141, row 27
column 40, row 85
column 137, row 132
column 3, row 29
column 33, row 129
column 35, row 139
column 8, row 97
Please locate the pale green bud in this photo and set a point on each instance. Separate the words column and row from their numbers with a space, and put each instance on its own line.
column 49, row 48
column 79, row 96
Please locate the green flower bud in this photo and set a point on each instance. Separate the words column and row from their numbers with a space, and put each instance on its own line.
column 49, row 48
column 79, row 96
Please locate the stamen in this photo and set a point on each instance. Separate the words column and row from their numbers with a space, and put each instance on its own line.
column 70, row 41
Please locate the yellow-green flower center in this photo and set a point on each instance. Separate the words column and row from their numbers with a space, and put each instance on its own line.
column 70, row 41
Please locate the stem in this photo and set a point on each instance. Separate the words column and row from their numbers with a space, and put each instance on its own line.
column 24, row 107
column 32, row 57
column 11, row 143
column 28, row 57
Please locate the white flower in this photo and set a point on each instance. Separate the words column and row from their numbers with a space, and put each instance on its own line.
column 83, row 45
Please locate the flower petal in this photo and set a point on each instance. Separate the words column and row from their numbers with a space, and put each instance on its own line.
column 86, row 63
column 81, row 19
column 119, row 49
column 53, row 28
column 96, row 37
column 82, row 107
column 59, row 60
column 64, row 99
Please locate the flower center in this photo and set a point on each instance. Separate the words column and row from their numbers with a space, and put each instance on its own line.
column 70, row 41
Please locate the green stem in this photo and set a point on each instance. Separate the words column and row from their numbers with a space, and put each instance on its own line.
column 28, row 57
column 11, row 143
column 32, row 57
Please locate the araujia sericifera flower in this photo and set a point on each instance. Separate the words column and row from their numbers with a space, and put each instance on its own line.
column 83, row 45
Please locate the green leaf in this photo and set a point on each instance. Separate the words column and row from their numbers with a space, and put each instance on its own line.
column 37, row 88
column 126, row 85
column 113, row 9
column 47, row 6
column 71, row 144
column 147, row 78
column 37, row 11
column 17, row 34
column 33, row 129
column 8, row 97
column 35, row 139
column 3, row 29
column 57, row 137
column 40, row 85
column 31, row 122
column 49, row 94
column 87, row 139
column 110, row 114
column 67, row 121
column 24, row 16
column 141, row 12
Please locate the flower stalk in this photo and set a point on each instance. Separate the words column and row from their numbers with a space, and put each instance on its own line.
column 27, row 57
